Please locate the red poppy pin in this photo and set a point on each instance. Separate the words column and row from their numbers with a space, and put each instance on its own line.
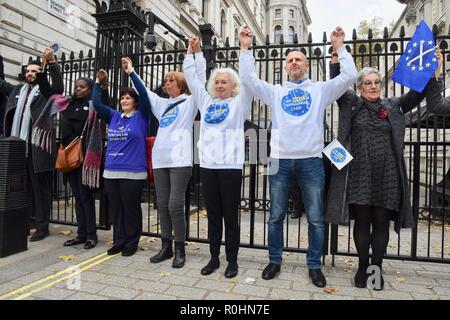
column 382, row 113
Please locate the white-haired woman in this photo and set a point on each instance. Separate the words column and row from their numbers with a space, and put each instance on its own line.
column 223, row 110
column 373, row 188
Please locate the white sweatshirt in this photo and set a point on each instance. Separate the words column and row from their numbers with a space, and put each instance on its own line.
column 298, row 109
column 173, row 144
column 222, row 140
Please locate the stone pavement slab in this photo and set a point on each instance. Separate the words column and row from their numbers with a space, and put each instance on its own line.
column 41, row 272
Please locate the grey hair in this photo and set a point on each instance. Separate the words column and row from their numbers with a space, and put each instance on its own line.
column 364, row 72
column 232, row 76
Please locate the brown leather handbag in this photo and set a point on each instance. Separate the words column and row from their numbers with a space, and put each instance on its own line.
column 71, row 157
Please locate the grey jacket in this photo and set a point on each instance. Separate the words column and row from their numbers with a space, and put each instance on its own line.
column 336, row 206
column 436, row 103
column 42, row 161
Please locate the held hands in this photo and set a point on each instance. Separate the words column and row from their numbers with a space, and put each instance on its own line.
column 245, row 38
column 48, row 57
column 127, row 65
column 194, row 45
column 102, row 78
column 337, row 38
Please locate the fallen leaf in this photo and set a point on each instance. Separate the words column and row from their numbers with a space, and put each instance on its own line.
column 250, row 280
column 232, row 280
column 144, row 248
column 430, row 287
column 437, row 297
column 330, row 290
column 150, row 240
column 66, row 232
column 66, row 258
column 400, row 280
column 164, row 274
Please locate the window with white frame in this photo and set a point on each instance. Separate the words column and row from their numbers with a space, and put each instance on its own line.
column 291, row 34
column 277, row 13
column 278, row 33
column 291, row 13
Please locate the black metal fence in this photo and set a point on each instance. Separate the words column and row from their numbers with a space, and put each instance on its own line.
column 427, row 141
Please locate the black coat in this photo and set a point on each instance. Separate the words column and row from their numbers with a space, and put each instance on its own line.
column 436, row 102
column 336, row 205
column 42, row 160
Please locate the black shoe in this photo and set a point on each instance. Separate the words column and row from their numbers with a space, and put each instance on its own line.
column 180, row 255
column 317, row 277
column 128, row 252
column 212, row 265
column 231, row 270
column 115, row 250
column 73, row 242
column 90, row 244
column 39, row 235
column 361, row 278
column 165, row 253
column 271, row 271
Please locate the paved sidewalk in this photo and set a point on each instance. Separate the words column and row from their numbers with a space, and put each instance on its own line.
column 41, row 274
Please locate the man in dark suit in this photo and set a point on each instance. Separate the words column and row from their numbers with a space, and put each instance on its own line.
column 24, row 105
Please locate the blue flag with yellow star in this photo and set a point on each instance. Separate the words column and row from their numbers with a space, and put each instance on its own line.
column 418, row 63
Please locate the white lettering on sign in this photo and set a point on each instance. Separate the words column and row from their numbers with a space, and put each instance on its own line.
column 70, row 14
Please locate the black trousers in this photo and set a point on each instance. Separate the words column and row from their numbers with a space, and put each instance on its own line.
column 222, row 192
column 125, row 200
column 39, row 187
column 84, row 206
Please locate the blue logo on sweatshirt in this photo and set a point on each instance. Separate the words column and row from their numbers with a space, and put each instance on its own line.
column 338, row 155
column 216, row 113
column 297, row 102
column 169, row 117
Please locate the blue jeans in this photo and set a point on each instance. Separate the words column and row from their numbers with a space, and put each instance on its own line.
column 311, row 179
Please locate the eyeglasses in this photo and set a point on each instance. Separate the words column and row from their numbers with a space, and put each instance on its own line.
column 369, row 83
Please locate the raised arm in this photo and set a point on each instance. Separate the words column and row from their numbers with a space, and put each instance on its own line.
column 335, row 69
column 338, row 85
column 54, row 70
column 257, row 87
column 104, row 112
column 144, row 100
column 200, row 61
column 436, row 102
column 196, row 85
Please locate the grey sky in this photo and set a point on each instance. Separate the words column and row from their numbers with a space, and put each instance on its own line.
column 326, row 14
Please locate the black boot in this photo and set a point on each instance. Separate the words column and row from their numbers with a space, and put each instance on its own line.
column 165, row 253
column 180, row 255
column 361, row 276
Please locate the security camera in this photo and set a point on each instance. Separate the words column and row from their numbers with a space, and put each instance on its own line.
column 150, row 41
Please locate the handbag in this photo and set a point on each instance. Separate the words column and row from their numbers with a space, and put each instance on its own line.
column 151, row 140
column 71, row 157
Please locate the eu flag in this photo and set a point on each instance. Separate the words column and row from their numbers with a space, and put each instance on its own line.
column 418, row 62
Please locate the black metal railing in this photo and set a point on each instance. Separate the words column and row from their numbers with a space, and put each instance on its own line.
column 425, row 152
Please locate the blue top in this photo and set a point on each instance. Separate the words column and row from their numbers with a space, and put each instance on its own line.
column 126, row 150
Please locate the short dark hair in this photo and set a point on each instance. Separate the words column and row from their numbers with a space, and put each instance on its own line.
column 131, row 92
column 34, row 62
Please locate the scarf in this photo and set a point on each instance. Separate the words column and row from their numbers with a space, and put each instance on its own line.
column 377, row 108
column 42, row 137
column 22, row 116
column 92, row 160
